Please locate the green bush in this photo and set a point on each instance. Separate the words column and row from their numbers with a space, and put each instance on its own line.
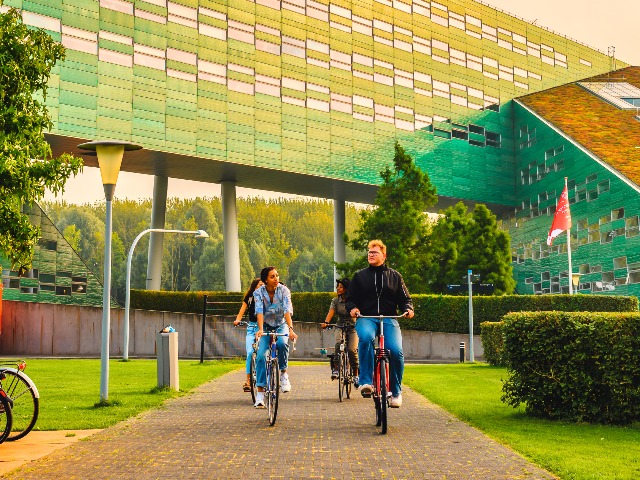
column 435, row 313
column 581, row 366
column 491, row 334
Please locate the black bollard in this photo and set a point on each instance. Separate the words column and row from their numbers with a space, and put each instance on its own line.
column 461, row 352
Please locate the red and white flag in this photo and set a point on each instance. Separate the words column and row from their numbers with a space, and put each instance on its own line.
column 562, row 217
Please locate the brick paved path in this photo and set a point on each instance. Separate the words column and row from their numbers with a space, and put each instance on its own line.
column 215, row 433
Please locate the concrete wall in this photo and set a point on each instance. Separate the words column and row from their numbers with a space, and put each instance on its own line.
column 41, row 329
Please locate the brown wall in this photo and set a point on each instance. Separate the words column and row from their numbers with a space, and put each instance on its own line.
column 42, row 329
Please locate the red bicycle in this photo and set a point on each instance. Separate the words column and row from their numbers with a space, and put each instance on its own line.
column 380, row 393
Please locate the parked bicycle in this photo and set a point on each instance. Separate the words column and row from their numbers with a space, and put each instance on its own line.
column 24, row 396
column 381, row 393
column 346, row 377
column 6, row 414
column 252, row 370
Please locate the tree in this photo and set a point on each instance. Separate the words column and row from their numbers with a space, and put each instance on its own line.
column 26, row 164
column 399, row 217
column 486, row 249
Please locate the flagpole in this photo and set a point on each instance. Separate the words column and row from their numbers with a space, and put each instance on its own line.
column 569, row 251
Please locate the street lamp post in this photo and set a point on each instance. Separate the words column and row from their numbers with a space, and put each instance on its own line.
column 127, row 302
column 110, row 153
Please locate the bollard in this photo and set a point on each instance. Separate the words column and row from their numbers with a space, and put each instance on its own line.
column 461, row 352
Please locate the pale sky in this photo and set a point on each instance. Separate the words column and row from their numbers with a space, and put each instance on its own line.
column 596, row 23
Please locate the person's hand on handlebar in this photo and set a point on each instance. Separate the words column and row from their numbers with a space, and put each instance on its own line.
column 237, row 321
column 355, row 312
column 408, row 314
column 259, row 333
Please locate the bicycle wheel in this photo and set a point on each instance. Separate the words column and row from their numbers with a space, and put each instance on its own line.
column 6, row 416
column 340, row 375
column 252, row 377
column 383, row 395
column 348, row 377
column 376, row 391
column 26, row 402
column 273, row 391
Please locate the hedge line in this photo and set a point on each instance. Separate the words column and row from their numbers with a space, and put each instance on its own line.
column 580, row 366
column 436, row 313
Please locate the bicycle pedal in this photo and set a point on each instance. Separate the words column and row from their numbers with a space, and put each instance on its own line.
column 365, row 395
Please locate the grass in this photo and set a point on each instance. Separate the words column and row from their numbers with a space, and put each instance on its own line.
column 70, row 389
column 578, row 452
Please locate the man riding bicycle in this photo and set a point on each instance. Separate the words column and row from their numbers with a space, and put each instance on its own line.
column 379, row 290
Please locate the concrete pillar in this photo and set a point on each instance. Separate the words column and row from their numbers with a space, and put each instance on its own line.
column 339, row 247
column 230, row 237
column 156, row 240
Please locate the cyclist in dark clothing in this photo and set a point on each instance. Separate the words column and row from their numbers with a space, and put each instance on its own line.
column 379, row 290
column 248, row 306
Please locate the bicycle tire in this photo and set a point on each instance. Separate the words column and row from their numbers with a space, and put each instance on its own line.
column 376, row 392
column 383, row 395
column 26, row 402
column 253, row 377
column 6, row 416
column 274, row 391
column 348, row 378
column 340, row 374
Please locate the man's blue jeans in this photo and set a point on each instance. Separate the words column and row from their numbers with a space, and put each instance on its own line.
column 367, row 329
column 252, row 328
column 282, row 346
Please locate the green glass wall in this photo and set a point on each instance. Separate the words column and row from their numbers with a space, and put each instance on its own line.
column 605, row 241
column 58, row 274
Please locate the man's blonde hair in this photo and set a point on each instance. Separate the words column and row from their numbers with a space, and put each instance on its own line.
column 378, row 243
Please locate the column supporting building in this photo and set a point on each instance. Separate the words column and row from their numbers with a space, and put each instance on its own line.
column 339, row 247
column 230, row 237
column 156, row 240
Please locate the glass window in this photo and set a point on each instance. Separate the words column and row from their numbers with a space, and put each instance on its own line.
column 620, row 262
column 617, row 214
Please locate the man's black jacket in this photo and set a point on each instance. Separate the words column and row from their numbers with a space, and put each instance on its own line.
column 378, row 291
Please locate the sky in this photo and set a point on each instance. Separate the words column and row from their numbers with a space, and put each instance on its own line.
column 597, row 23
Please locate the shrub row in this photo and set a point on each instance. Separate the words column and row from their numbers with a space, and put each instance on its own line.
column 581, row 366
column 436, row 313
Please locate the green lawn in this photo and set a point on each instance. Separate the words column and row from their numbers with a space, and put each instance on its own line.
column 576, row 452
column 69, row 389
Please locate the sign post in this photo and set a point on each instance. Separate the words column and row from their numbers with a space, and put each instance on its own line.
column 471, row 359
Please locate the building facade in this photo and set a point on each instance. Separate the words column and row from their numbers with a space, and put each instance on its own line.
column 309, row 97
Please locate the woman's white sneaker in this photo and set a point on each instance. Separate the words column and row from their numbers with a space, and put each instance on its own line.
column 259, row 400
column 285, row 385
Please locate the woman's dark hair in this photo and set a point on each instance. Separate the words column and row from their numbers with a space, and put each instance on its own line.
column 252, row 287
column 344, row 282
column 264, row 273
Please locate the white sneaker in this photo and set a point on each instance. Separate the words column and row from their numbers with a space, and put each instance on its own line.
column 259, row 400
column 285, row 385
column 365, row 390
column 396, row 402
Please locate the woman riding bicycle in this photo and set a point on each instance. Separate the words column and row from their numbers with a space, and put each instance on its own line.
column 344, row 319
column 273, row 312
column 248, row 306
column 379, row 290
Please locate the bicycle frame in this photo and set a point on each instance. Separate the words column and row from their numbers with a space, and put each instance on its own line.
column 345, row 374
column 272, row 389
column 380, row 383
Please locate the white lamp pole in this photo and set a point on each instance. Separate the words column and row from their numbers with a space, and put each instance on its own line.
column 110, row 153
column 127, row 302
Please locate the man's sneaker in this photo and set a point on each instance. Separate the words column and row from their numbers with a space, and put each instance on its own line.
column 396, row 402
column 259, row 400
column 356, row 382
column 285, row 385
column 334, row 374
column 365, row 390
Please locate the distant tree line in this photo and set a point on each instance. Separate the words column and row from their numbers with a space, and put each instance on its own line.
column 295, row 235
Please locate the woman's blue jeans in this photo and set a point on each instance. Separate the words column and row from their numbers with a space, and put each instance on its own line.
column 252, row 328
column 367, row 329
column 282, row 346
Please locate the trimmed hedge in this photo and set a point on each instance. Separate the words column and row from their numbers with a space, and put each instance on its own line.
column 435, row 313
column 492, row 337
column 580, row 366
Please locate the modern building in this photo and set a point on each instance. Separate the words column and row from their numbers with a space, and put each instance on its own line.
column 308, row 97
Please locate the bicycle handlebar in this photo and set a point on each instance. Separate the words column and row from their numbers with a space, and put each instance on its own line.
column 380, row 317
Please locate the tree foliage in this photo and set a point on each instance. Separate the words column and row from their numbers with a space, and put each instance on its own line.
column 398, row 218
column 26, row 164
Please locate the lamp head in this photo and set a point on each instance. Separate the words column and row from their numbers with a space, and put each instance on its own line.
column 109, row 154
column 575, row 279
column 202, row 234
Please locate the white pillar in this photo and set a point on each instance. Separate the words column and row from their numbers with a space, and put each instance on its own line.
column 156, row 241
column 230, row 237
column 339, row 247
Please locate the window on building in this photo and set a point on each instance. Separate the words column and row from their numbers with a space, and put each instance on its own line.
column 617, row 214
column 620, row 262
